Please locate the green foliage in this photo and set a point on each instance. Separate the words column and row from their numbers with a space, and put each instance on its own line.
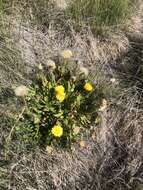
column 100, row 14
column 57, row 98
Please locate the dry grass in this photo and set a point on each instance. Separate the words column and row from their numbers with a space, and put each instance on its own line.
column 114, row 160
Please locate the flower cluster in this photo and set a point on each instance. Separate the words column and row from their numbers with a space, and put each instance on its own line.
column 61, row 104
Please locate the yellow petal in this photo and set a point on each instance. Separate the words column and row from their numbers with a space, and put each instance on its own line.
column 57, row 131
column 60, row 96
column 88, row 87
column 59, row 89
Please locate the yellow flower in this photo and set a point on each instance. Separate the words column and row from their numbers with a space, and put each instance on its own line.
column 66, row 54
column 21, row 91
column 59, row 89
column 88, row 87
column 60, row 93
column 57, row 131
column 60, row 96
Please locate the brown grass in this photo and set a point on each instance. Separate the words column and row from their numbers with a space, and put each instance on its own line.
column 114, row 160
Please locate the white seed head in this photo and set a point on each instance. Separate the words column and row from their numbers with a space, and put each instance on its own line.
column 74, row 78
column 66, row 54
column 40, row 67
column 84, row 70
column 113, row 80
column 103, row 106
column 21, row 91
column 51, row 64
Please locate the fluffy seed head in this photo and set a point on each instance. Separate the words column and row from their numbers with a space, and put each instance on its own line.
column 21, row 90
column 51, row 64
column 84, row 70
column 66, row 54
column 113, row 80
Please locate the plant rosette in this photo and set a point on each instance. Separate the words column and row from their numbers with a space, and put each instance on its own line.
column 58, row 109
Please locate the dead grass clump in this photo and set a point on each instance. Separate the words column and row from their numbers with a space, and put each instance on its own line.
column 114, row 161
